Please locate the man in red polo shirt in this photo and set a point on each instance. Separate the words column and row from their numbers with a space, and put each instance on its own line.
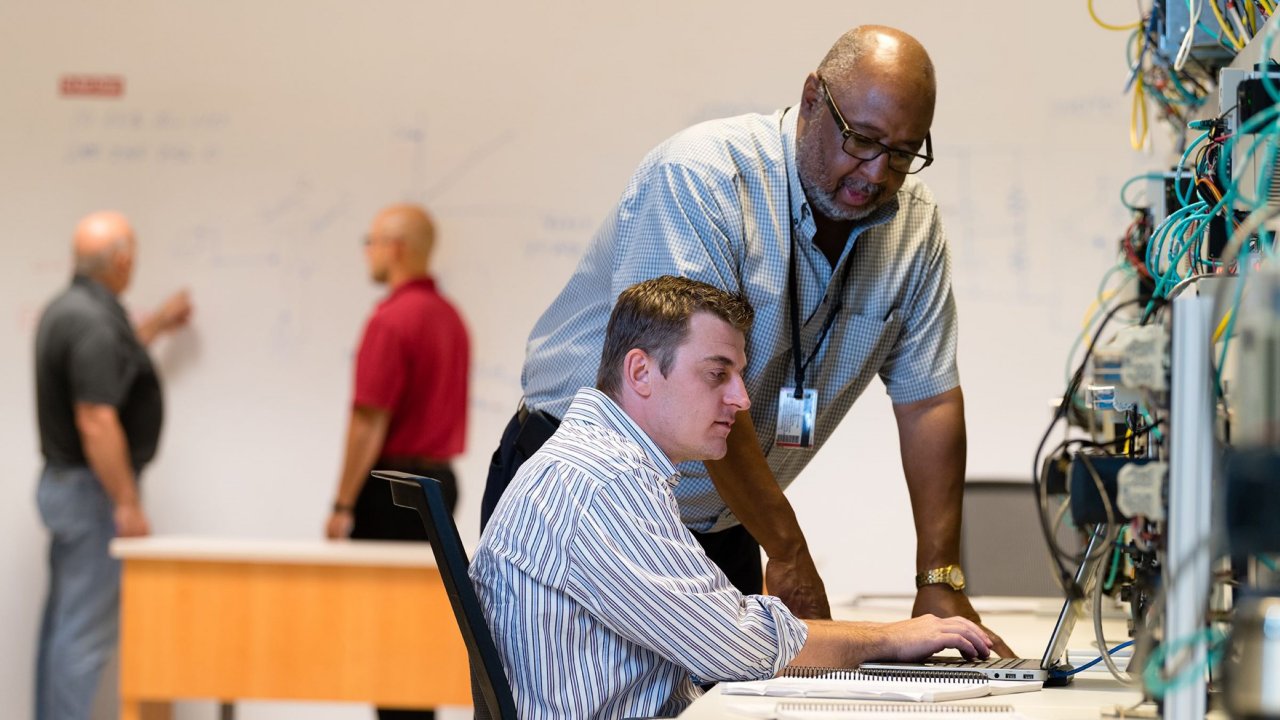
column 409, row 411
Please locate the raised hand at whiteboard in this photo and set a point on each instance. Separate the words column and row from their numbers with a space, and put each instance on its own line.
column 172, row 314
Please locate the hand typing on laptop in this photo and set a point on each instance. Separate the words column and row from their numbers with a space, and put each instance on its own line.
column 925, row 635
column 944, row 601
column 846, row 644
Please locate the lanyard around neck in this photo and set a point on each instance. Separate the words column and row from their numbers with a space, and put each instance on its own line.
column 793, row 291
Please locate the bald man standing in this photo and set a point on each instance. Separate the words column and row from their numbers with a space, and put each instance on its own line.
column 409, row 410
column 99, row 407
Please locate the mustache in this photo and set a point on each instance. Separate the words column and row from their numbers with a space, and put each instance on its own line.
column 861, row 186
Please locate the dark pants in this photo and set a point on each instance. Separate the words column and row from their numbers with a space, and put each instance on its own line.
column 376, row 517
column 738, row 555
column 526, row 432
column 734, row 550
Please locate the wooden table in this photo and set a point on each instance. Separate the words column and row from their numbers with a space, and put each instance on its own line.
column 227, row 619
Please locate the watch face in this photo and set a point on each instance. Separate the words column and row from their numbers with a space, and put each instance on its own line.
column 957, row 577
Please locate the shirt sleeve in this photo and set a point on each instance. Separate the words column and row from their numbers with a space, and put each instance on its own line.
column 100, row 368
column 677, row 220
column 923, row 362
column 650, row 582
column 380, row 367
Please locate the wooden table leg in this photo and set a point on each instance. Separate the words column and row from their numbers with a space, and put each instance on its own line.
column 139, row 710
column 157, row 711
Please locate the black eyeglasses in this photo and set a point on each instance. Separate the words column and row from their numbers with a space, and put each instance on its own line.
column 864, row 148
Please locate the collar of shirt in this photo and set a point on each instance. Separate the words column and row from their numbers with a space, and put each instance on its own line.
column 100, row 293
column 592, row 407
column 425, row 282
column 802, row 221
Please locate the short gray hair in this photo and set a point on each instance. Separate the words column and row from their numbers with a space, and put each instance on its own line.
column 841, row 61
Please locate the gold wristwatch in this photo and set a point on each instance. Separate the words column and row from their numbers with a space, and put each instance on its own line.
column 949, row 574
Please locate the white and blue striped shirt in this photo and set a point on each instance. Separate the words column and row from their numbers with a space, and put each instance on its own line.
column 711, row 203
column 600, row 601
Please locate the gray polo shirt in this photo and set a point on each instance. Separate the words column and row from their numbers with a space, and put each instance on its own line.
column 87, row 351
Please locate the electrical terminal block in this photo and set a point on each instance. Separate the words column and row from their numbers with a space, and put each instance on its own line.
column 1140, row 490
column 1137, row 358
column 1109, row 397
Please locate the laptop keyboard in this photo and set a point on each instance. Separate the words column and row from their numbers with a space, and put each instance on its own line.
column 993, row 663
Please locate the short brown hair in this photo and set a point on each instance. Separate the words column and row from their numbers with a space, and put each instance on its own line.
column 654, row 315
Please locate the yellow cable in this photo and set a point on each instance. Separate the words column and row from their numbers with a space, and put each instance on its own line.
column 1222, row 23
column 1138, row 140
column 1252, row 13
column 1266, row 5
column 1222, row 326
column 1096, row 305
column 1094, row 14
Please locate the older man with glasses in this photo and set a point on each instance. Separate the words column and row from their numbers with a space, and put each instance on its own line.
column 814, row 214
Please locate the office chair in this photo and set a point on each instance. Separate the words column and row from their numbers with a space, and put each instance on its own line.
column 490, row 690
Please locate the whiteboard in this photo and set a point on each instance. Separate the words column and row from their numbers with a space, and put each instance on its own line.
column 254, row 141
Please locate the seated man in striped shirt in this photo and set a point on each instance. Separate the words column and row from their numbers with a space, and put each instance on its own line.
column 601, row 602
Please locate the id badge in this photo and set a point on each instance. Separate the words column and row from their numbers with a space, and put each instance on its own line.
column 796, row 418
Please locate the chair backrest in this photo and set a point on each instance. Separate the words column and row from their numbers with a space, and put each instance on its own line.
column 1002, row 546
column 488, row 678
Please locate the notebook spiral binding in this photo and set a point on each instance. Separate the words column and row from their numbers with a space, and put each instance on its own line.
column 883, row 707
column 949, row 676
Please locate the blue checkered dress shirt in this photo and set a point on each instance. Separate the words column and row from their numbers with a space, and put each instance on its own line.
column 711, row 203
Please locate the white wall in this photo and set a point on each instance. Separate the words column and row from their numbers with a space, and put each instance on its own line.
column 255, row 140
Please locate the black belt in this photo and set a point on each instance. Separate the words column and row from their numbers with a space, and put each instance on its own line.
column 412, row 464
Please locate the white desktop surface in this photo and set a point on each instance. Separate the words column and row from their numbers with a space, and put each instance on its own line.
column 299, row 552
column 1025, row 627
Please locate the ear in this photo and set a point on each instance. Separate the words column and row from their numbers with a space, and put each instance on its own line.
column 638, row 369
column 811, row 95
column 122, row 261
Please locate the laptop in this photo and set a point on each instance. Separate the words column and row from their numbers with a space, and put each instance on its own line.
column 1049, row 669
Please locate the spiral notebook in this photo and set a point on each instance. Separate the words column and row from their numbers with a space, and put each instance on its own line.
column 902, row 685
column 892, row 711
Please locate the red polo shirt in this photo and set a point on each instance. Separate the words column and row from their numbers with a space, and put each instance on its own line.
column 413, row 362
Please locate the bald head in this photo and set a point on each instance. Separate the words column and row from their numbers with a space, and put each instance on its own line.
column 401, row 239
column 876, row 83
column 409, row 224
column 103, row 247
column 880, row 53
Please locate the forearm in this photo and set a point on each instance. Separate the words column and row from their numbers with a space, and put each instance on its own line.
column 107, row 451
column 366, row 431
column 932, row 438
column 149, row 329
column 837, row 644
column 748, row 488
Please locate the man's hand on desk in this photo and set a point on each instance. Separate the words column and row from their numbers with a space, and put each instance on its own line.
column 130, row 520
column 339, row 525
column 797, row 584
column 920, row 637
column 942, row 601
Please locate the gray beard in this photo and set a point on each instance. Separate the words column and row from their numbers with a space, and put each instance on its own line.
column 824, row 203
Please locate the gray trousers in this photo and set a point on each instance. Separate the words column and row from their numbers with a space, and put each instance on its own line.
column 81, row 622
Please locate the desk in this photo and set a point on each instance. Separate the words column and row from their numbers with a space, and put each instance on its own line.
column 285, row 620
column 1026, row 632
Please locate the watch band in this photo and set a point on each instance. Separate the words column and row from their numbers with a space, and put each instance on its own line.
column 950, row 575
